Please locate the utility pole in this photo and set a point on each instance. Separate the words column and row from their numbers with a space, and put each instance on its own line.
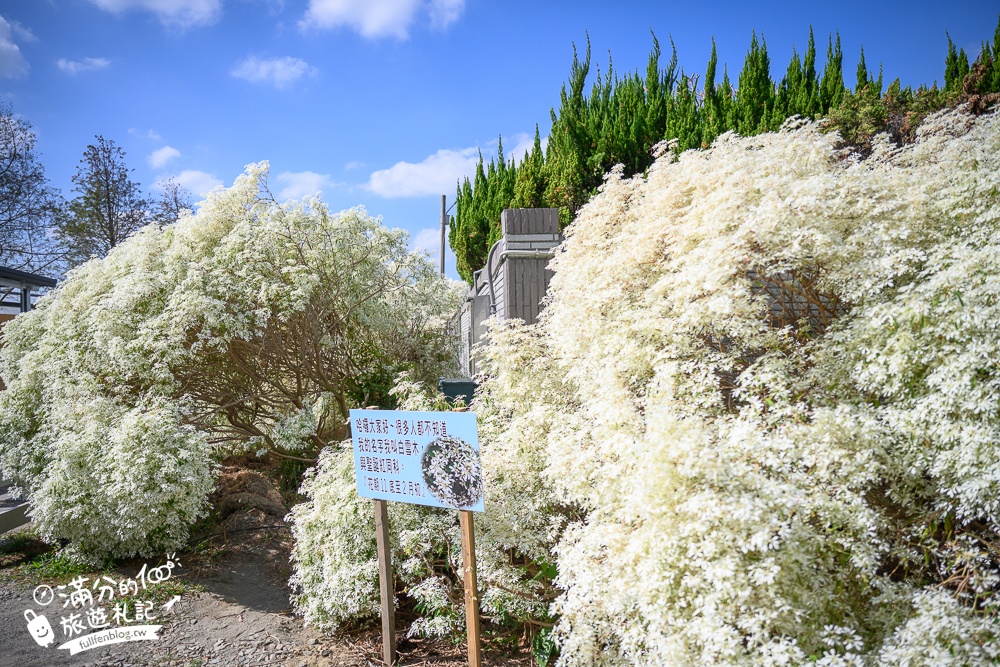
column 444, row 223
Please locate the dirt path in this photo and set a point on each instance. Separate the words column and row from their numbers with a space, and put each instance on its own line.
column 233, row 608
column 242, row 618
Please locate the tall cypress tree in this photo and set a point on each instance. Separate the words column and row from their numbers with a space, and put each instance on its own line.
column 529, row 186
column 684, row 125
column 755, row 93
column 861, row 74
column 727, row 101
column 808, row 100
column 993, row 75
column 831, row 88
column 621, row 117
column 471, row 230
column 789, row 90
column 712, row 118
column 956, row 66
column 565, row 173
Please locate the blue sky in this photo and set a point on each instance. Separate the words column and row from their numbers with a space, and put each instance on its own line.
column 385, row 103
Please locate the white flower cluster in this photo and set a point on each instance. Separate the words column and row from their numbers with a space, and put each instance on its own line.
column 247, row 326
column 757, row 424
column 334, row 558
column 452, row 471
column 768, row 379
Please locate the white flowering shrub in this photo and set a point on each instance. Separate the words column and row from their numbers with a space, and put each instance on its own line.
column 249, row 326
column 766, row 377
column 758, row 422
column 335, row 578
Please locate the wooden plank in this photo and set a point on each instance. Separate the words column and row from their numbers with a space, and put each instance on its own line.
column 471, row 588
column 531, row 285
column 522, row 291
column 551, row 220
column 385, row 582
column 524, row 266
column 500, row 291
column 517, row 294
column 533, row 292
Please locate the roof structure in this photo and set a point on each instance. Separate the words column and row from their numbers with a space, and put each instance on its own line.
column 19, row 278
column 25, row 284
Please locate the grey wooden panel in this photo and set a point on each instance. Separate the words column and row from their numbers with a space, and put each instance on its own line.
column 533, row 292
column 525, row 304
column 529, row 221
column 515, row 288
column 525, row 281
column 501, row 289
column 539, row 286
column 510, row 297
column 515, row 222
column 517, row 284
column 13, row 518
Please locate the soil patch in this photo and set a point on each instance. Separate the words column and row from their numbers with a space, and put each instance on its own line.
column 232, row 601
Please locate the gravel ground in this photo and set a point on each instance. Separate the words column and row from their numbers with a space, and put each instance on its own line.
column 241, row 619
column 234, row 609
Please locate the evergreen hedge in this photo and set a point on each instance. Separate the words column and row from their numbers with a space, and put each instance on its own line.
column 623, row 118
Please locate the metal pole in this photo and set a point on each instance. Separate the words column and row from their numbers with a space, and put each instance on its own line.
column 444, row 224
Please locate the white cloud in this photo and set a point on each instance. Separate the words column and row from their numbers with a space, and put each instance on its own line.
column 74, row 67
column 354, row 164
column 296, row 185
column 380, row 18
column 196, row 182
column 13, row 64
column 429, row 240
column 445, row 12
column 177, row 14
column 23, row 33
column 145, row 134
column 435, row 175
column 161, row 156
column 279, row 72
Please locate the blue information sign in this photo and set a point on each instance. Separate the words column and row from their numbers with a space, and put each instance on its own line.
column 425, row 458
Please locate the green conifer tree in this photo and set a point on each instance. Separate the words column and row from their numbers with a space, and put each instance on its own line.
column 863, row 77
column 529, row 186
column 992, row 77
column 712, row 121
column 808, row 99
column 788, row 89
column 727, row 101
column 831, row 88
column 622, row 117
column 755, row 92
column 956, row 67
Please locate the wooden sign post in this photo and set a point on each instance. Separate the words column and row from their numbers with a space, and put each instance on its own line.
column 412, row 457
column 467, row 527
column 385, row 582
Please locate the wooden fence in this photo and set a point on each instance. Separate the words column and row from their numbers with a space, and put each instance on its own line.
column 514, row 280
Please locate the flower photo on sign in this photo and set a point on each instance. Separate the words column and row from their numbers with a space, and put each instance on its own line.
column 452, row 471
